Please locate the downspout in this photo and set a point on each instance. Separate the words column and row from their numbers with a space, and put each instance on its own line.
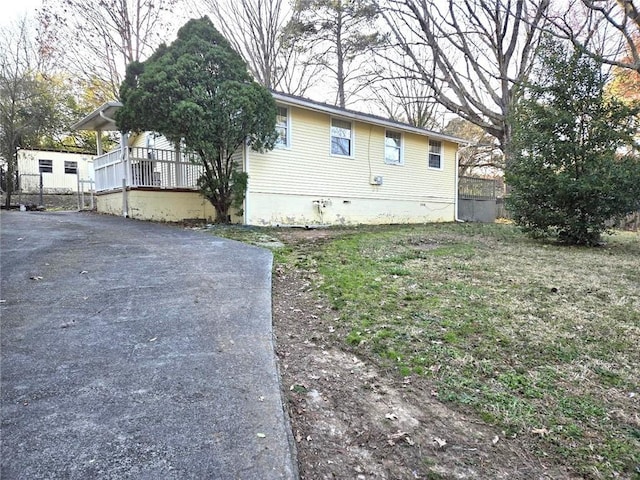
column 108, row 119
column 456, row 195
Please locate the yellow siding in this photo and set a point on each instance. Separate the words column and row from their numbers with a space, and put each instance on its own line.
column 157, row 141
column 307, row 171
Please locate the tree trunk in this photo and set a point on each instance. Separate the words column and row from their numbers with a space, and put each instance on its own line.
column 340, row 62
column 11, row 173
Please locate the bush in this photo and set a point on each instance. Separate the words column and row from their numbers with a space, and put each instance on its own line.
column 573, row 163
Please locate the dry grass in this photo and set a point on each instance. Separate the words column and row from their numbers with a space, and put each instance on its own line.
column 539, row 339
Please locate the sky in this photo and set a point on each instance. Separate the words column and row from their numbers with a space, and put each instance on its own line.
column 11, row 10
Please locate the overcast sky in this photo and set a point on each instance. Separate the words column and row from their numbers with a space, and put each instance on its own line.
column 10, row 10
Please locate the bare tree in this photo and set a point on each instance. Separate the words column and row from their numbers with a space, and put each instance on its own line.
column 99, row 39
column 481, row 155
column 404, row 100
column 31, row 102
column 480, row 51
column 607, row 30
column 339, row 33
column 256, row 30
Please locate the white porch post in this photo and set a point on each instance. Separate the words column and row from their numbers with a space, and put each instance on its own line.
column 126, row 164
column 99, row 142
column 245, row 156
column 177, row 166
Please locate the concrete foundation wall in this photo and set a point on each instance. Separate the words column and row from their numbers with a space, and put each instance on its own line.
column 279, row 209
column 160, row 205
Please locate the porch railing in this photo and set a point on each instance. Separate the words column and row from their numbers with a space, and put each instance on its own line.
column 150, row 167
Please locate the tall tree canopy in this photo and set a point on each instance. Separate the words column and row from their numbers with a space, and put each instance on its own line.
column 477, row 53
column 606, row 30
column 33, row 102
column 338, row 33
column 99, row 39
column 575, row 163
column 256, row 30
column 198, row 91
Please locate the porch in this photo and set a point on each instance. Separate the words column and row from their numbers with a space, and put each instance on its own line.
column 150, row 184
column 138, row 167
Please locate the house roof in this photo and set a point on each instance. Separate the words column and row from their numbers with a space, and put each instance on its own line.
column 302, row 102
column 101, row 119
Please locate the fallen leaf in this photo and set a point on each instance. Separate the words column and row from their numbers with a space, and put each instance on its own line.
column 440, row 442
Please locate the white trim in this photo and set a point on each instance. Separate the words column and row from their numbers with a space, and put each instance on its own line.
column 352, row 142
column 245, row 155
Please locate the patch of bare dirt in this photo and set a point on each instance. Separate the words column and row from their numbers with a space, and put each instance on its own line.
column 352, row 419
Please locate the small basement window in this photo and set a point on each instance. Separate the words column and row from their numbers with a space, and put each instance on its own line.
column 71, row 167
column 46, row 166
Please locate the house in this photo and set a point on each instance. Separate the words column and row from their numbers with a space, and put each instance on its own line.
column 60, row 171
column 331, row 166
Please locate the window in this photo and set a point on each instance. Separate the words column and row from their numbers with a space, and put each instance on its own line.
column 393, row 148
column 435, row 154
column 71, row 167
column 282, row 127
column 46, row 166
column 341, row 138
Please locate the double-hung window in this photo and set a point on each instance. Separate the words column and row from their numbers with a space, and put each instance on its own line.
column 282, row 127
column 341, row 137
column 393, row 148
column 435, row 154
column 46, row 166
column 71, row 167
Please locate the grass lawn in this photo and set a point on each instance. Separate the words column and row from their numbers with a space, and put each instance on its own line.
column 539, row 339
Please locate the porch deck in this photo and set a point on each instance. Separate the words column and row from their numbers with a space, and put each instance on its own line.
column 148, row 167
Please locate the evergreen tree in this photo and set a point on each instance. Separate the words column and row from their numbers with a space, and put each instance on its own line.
column 198, row 91
column 574, row 163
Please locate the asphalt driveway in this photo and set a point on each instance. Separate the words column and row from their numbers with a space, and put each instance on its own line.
column 136, row 350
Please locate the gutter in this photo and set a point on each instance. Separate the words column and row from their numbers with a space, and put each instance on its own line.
column 108, row 119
